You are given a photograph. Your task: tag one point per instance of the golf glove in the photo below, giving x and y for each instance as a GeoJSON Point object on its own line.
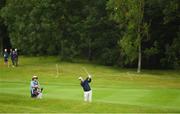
{"type": "Point", "coordinates": [89, 76]}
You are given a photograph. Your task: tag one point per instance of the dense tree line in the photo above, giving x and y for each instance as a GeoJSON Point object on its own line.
{"type": "Point", "coordinates": [110, 32]}
{"type": "Point", "coordinates": [4, 39]}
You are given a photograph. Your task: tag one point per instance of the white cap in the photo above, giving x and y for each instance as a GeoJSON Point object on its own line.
{"type": "Point", "coordinates": [34, 77]}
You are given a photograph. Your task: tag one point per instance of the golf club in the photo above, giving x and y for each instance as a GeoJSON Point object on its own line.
{"type": "Point", "coordinates": [85, 71]}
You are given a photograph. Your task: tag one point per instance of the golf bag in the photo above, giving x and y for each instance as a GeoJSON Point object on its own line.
{"type": "Point", "coordinates": [36, 93]}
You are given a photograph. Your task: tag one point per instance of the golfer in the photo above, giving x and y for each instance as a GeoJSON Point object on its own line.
{"type": "Point", "coordinates": [86, 88]}
{"type": "Point", "coordinates": [36, 91]}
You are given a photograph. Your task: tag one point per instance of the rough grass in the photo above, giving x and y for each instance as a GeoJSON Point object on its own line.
{"type": "Point", "coordinates": [114, 89]}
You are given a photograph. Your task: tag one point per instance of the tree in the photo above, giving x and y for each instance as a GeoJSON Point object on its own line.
{"type": "Point", "coordinates": [4, 38]}
{"type": "Point", "coordinates": [99, 34]}
{"type": "Point", "coordinates": [33, 25]}
{"type": "Point", "coordinates": [160, 49]}
{"type": "Point", "coordinates": [171, 11]}
{"type": "Point", "coordinates": [130, 15]}
{"type": "Point", "coordinates": [139, 32]}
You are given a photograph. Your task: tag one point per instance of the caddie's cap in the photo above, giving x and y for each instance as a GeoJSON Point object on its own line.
{"type": "Point", "coordinates": [34, 77]}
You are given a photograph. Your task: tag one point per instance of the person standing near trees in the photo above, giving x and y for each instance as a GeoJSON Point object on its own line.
{"type": "Point", "coordinates": [6, 55]}
{"type": "Point", "coordinates": [11, 54]}
{"type": "Point", "coordinates": [14, 57]}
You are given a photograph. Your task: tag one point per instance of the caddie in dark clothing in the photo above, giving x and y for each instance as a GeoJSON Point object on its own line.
{"type": "Point", "coordinates": [6, 55]}
{"type": "Point", "coordinates": [12, 57]}
{"type": "Point", "coordinates": [11, 54]}
{"type": "Point", "coordinates": [87, 89]}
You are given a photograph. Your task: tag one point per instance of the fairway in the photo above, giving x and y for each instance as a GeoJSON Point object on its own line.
{"type": "Point", "coordinates": [114, 89]}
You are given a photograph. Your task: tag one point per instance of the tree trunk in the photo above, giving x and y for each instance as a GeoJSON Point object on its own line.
{"type": "Point", "coordinates": [139, 58]}
{"type": "Point", "coordinates": [141, 10]}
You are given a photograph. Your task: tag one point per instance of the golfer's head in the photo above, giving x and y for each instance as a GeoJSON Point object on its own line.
{"type": "Point", "coordinates": [34, 78]}
{"type": "Point", "coordinates": [80, 78]}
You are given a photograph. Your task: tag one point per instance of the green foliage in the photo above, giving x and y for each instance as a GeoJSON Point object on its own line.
{"type": "Point", "coordinates": [109, 32]}
{"type": "Point", "coordinates": [172, 58]}
{"type": "Point", "coordinates": [35, 27]}
{"type": "Point", "coordinates": [171, 11]}
{"type": "Point", "coordinates": [130, 14]}
{"type": "Point", "coordinates": [164, 30]}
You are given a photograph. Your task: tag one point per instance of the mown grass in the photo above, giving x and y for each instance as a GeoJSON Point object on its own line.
{"type": "Point", "coordinates": [114, 89]}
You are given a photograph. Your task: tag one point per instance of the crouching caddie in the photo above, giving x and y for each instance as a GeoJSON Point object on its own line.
{"type": "Point", "coordinates": [36, 91]}
{"type": "Point", "coordinates": [87, 89]}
